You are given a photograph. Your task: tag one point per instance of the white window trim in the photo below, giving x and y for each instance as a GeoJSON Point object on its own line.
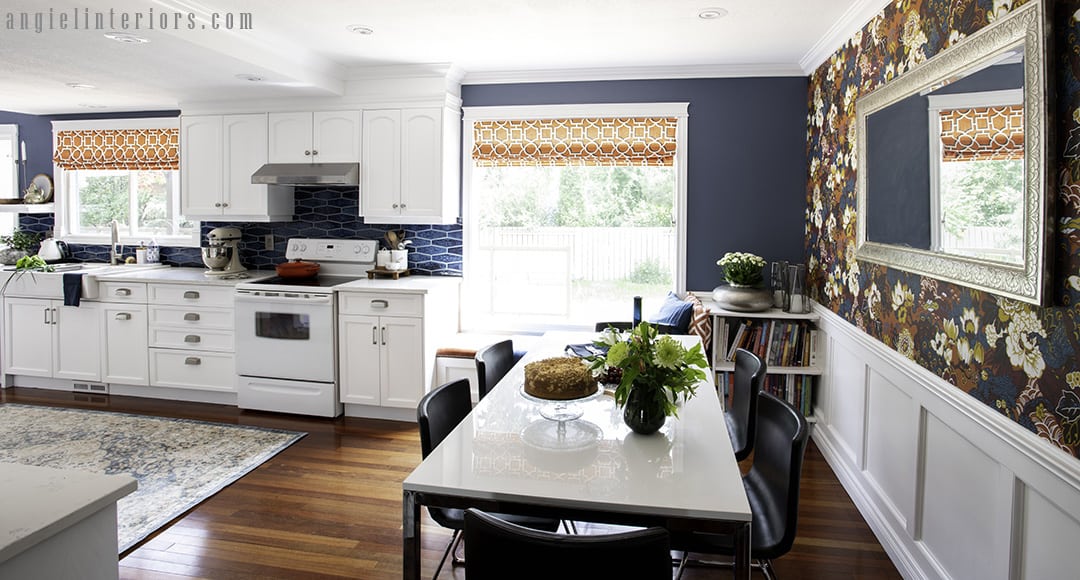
{"type": "Point", "coordinates": [12, 132]}
{"type": "Point", "coordinates": [525, 112]}
{"type": "Point", "coordinates": [62, 217]}
{"type": "Point", "coordinates": [936, 104]}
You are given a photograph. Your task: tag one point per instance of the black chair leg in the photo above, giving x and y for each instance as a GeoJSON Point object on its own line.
{"type": "Point", "coordinates": [457, 560]}
{"type": "Point", "coordinates": [449, 547]}
{"type": "Point", "coordinates": [766, 569]}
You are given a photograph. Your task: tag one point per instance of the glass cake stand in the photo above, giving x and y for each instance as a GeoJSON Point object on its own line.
{"type": "Point", "coordinates": [561, 410]}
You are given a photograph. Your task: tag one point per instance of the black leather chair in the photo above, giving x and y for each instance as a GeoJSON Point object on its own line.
{"type": "Point", "coordinates": [492, 364]}
{"type": "Point", "coordinates": [741, 415]}
{"type": "Point", "coordinates": [772, 487]}
{"type": "Point", "coordinates": [496, 550]}
{"type": "Point", "coordinates": [437, 414]}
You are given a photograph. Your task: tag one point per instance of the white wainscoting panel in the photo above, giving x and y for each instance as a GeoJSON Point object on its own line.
{"type": "Point", "coordinates": [890, 446]}
{"type": "Point", "coordinates": [960, 499]}
{"type": "Point", "coordinates": [1045, 526]}
{"type": "Point", "coordinates": [847, 401]}
{"type": "Point", "coordinates": [952, 488]}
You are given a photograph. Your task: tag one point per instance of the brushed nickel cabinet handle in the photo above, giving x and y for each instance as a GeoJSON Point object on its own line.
{"type": "Point", "coordinates": [314, 151]}
{"type": "Point", "coordinates": [384, 336]}
{"type": "Point", "coordinates": [193, 338]}
{"type": "Point", "coordinates": [307, 152]}
{"type": "Point", "coordinates": [380, 304]}
{"type": "Point", "coordinates": [53, 318]}
{"type": "Point", "coordinates": [123, 316]}
{"type": "Point", "coordinates": [191, 295]}
{"type": "Point", "coordinates": [46, 321]}
{"type": "Point", "coordinates": [193, 360]}
{"type": "Point", "coordinates": [191, 316]}
{"type": "Point", "coordinates": [123, 292]}
{"type": "Point", "coordinates": [374, 335]}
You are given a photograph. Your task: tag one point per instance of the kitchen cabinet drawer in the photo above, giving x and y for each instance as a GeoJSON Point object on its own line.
{"type": "Point", "coordinates": [200, 318]}
{"type": "Point", "coordinates": [381, 304]}
{"type": "Point", "coordinates": [186, 369]}
{"type": "Point", "coordinates": [179, 338]}
{"type": "Point", "coordinates": [122, 292]}
{"type": "Point", "coordinates": [183, 294]}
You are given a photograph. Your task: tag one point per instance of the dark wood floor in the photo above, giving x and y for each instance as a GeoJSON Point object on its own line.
{"type": "Point", "coordinates": [330, 507]}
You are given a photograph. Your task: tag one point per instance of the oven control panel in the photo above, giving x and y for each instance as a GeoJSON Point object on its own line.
{"type": "Point", "coordinates": [323, 250]}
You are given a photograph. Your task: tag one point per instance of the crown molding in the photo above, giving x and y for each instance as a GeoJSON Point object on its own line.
{"type": "Point", "coordinates": [854, 18]}
{"type": "Point", "coordinates": [632, 73]}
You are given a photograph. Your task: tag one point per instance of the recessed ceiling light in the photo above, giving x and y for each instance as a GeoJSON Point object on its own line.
{"type": "Point", "coordinates": [712, 13]}
{"type": "Point", "coordinates": [90, 106]}
{"type": "Point", "coordinates": [81, 86]}
{"type": "Point", "coordinates": [250, 77]}
{"type": "Point", "coordinates": [360, 29]}
{"type": "Point", "coordinates": [126, 38]}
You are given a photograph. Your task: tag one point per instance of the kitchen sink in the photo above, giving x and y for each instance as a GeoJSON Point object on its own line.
{"type": "Point", "coordinates": [51, 284]}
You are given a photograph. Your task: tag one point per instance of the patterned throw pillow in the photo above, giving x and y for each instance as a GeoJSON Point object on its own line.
{"type": "Point", "coordinates": [700, 321]}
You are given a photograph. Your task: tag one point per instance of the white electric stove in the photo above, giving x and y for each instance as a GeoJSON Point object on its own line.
{"type": "Point", "coordinates": [286, 330]}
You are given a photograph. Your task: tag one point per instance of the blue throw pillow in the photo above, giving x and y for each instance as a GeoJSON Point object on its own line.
{"type": "Point", "coordinates": [674, 312]}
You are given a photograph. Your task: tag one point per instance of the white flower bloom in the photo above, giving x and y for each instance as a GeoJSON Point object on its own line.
{"type": "Point", "coordinates": [873, 298]}
{"type": "Point", "coordinates": [940, 344]}
{"type": "Point", "coordinates": [901, 295]}
{"type": "Point", "coordinates": [963, 350]}
{"type": "Point", "coordinates": [992, 334]}
{"type": "Point", "coordinates": [969, 322]}
{"type": "Point", "coordinates": [1022, 343]}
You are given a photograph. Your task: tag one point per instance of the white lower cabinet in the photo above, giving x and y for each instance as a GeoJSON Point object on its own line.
{"type": "Point", "coordinates": [190, 369]}
{"type": "Point", "coordinates": [381, 360]}
{"type": "Point", "coordinates": [44, 338]}
{"type": "Point", "coordinates": [124, 351]}
{"type": "Point", "coordinates": [191, 337]}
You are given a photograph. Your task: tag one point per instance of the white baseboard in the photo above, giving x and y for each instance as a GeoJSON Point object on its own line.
{"type": "Point", "coordinates": [952, 488]}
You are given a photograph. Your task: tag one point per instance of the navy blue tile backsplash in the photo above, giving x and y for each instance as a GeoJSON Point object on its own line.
{"type": "Point", "coordinates": [320, 213]}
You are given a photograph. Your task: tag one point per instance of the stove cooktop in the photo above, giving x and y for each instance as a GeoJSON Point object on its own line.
{"type": "Point", "coordinates": [321, 281]}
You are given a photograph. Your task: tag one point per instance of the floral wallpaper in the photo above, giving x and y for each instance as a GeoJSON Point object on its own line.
{"type": "Point", "coordinates": [1019, 359]}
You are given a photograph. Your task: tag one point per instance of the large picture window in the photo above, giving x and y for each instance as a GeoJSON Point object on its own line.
{"type": "Point", "coordinates": [570, 212]}
{"type": "Point", "coordinates": [122, 170]}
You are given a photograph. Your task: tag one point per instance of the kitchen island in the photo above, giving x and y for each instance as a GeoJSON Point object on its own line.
{"type": "Point", "coordinates": [59, 523]}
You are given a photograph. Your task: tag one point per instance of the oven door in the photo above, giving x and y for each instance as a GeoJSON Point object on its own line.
{"type": "Point", "coordinates": [284, 337]}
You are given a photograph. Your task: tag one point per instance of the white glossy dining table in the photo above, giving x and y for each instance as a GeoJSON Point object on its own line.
{"type": "Point", "coordinates": [505, 457]}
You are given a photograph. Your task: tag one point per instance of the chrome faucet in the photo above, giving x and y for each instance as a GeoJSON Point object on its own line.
{"type": "Point", "coordinates": [114, 253]}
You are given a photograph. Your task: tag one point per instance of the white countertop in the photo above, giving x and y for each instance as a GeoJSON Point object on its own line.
{"type": "Point", "coordinates": [39, 502]}
{"type": "Point", "coordinates": [406, 284]}
{"type": "Point", "coordinates": [180, 275]}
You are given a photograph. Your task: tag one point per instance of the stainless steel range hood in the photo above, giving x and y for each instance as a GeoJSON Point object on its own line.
{"type": "Point", "coordinates": [308, 174]}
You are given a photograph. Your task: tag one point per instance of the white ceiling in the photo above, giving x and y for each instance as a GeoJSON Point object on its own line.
{"type": "Point", "coordinates": [302, 49]}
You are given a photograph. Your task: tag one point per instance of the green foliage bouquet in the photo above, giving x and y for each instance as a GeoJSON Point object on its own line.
{"type": "Point", "coordinates": [659, 364]}
{"type": "Point", "coordinates": [742, 268]}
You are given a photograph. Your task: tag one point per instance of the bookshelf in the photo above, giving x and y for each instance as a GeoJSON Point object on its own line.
{"type": "Point", "coordinates": [787, 342]}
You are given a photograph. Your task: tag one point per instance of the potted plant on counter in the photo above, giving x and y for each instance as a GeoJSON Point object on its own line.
{"type": "Point", "coordinates": [657, 370]}
{"type": "Point", "coordinates": [19, 244]}
{"type": "Point", "coordinates": [743, 292]}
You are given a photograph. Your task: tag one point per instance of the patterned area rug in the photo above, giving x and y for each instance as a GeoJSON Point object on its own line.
{"type": "Point", "coordinates": [178, 463]}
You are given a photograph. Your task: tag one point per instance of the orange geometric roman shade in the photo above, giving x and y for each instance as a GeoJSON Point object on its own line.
{"type": "Point", "coordinates": [600, 141]}
{"type": "Point", "coordinates": [130, 149]}
{"type": "Point", "coordinates": [982, 133]}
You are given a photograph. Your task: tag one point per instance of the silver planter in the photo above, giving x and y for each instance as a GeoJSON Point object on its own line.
{"type": "Point", "coordinates": [743, 298]}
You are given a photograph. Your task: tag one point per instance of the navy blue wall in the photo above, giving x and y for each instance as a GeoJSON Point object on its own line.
{"type": "Point", "coordinates": [36, 132]}
{"type": "Point", "coordinates": [746, 165]}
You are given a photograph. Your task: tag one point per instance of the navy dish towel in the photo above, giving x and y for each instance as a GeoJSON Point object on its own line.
{"type": "Point", "coordinates": [72, 288]}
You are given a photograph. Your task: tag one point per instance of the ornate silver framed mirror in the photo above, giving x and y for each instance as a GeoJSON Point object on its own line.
{"type": "Point", "coordinates": [955, 162]}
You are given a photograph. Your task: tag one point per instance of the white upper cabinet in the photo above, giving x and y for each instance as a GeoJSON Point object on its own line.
{"type": "Point", "coordinates": [218, 154]}
{"type": "Point", "coordinates": [410, 171]}
{"type": "Point", "coordinates": [315, 137]}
